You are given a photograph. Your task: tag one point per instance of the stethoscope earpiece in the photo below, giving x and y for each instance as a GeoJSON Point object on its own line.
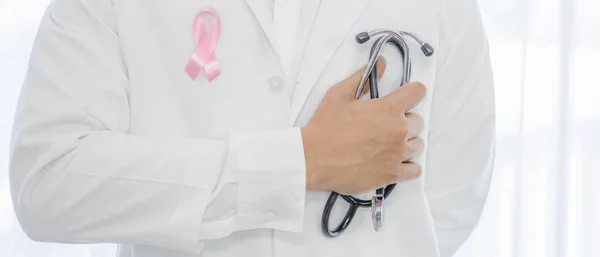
{"type": "Point", "coordinates": [427, 49]}
{"type": "Point", "coordinates": [398, 39]}
{"type": "Point", "coordinates": [362, 37]}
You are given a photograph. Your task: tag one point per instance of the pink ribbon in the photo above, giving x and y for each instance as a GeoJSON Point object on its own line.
{"type": "Point", "coordinates": [206, 42]}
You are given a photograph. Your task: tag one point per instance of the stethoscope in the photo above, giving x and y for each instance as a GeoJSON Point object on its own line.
{"type": "Point", "coordinates": [398, 39]}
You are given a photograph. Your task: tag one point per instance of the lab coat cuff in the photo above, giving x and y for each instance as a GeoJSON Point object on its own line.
{"type": "Point", "coordinates": [272, 180]}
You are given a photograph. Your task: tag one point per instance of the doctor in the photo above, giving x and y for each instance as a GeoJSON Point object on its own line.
{"type": "Point", "coordinates": [114, 143]}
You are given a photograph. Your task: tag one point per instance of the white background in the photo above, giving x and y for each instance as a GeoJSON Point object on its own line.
{"type": "Point", "coordinates": [545, 198]}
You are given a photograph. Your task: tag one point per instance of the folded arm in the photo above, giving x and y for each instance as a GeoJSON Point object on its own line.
{"type": "Point", "coordinates": [77, 176]}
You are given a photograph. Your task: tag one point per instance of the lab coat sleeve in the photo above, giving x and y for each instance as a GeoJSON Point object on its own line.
{"type": "Point", "coordinates": [461, 127]}
{"type": "Point", "coordinates": [77, 176]}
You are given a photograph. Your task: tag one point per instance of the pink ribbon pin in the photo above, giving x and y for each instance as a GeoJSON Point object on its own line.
{"type": "Point", "coordinates": [206, 42]}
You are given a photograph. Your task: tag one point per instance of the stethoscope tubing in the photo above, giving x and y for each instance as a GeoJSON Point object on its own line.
{"type": "Point", "coordinates": [370, 75]}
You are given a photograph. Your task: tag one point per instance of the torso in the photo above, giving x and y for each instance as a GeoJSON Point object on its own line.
{"type": "Point", "coordinates": [157, 42]}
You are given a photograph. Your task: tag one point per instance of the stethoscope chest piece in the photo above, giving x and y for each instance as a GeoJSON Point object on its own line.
{"type": "Point", "coordinates": [377, 211]}
{"type": "Point", "coordinates": [397, 39]}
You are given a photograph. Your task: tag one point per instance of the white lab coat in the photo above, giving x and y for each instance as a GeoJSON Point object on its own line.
{"type": "Point", "coordinates": [114, 143]}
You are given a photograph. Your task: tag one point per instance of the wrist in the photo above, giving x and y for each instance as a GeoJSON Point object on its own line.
{"type": "Point", "coordinates": [311, 171]}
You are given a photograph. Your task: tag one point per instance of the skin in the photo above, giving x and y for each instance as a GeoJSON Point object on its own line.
{"type": "Point", "coordinates": [353, 146]}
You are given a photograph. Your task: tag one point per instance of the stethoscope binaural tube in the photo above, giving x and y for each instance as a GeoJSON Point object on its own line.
{"type": "Point", "coordinates": [398, 40]}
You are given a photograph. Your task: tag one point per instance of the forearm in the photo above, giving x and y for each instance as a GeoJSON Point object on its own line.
{"type": "Point", "coordinates": [78, 173]}
{"type": "Point", "coordinates": [109, 187]}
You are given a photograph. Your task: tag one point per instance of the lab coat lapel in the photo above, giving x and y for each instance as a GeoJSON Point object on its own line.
{"type": "Point", "coordinates": [263, 15]}
{"type": "Point", "coordinates": [332, 25]}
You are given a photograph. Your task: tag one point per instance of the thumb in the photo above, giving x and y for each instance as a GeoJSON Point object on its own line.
{"type": "Point", "coordinates": [349, 85]}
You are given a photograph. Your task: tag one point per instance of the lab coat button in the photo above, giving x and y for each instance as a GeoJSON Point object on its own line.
{"type": "Point", "coordinates": [270, 216]}
{"type": "Point", "coordinates": [276, 84]}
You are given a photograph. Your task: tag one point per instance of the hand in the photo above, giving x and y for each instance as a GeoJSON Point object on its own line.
{"type": "Point", "coordinates": [353, 146]}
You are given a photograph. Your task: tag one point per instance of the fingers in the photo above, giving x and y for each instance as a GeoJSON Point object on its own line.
{"type": "Point", "coordinates": [414, 148]}
{"type": "Point", "coordinates": [404, 172]}
{"type": "Point", "coordinates": [407, 96]}
{"type": "Point", "coordinates": [414, 124]}
{"type": "Point", "coordinates": [410, 171]}
{"type": "Point", "coordinates": [351, 83]}
{"type": "Point", "coordinates": [415, 145]}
